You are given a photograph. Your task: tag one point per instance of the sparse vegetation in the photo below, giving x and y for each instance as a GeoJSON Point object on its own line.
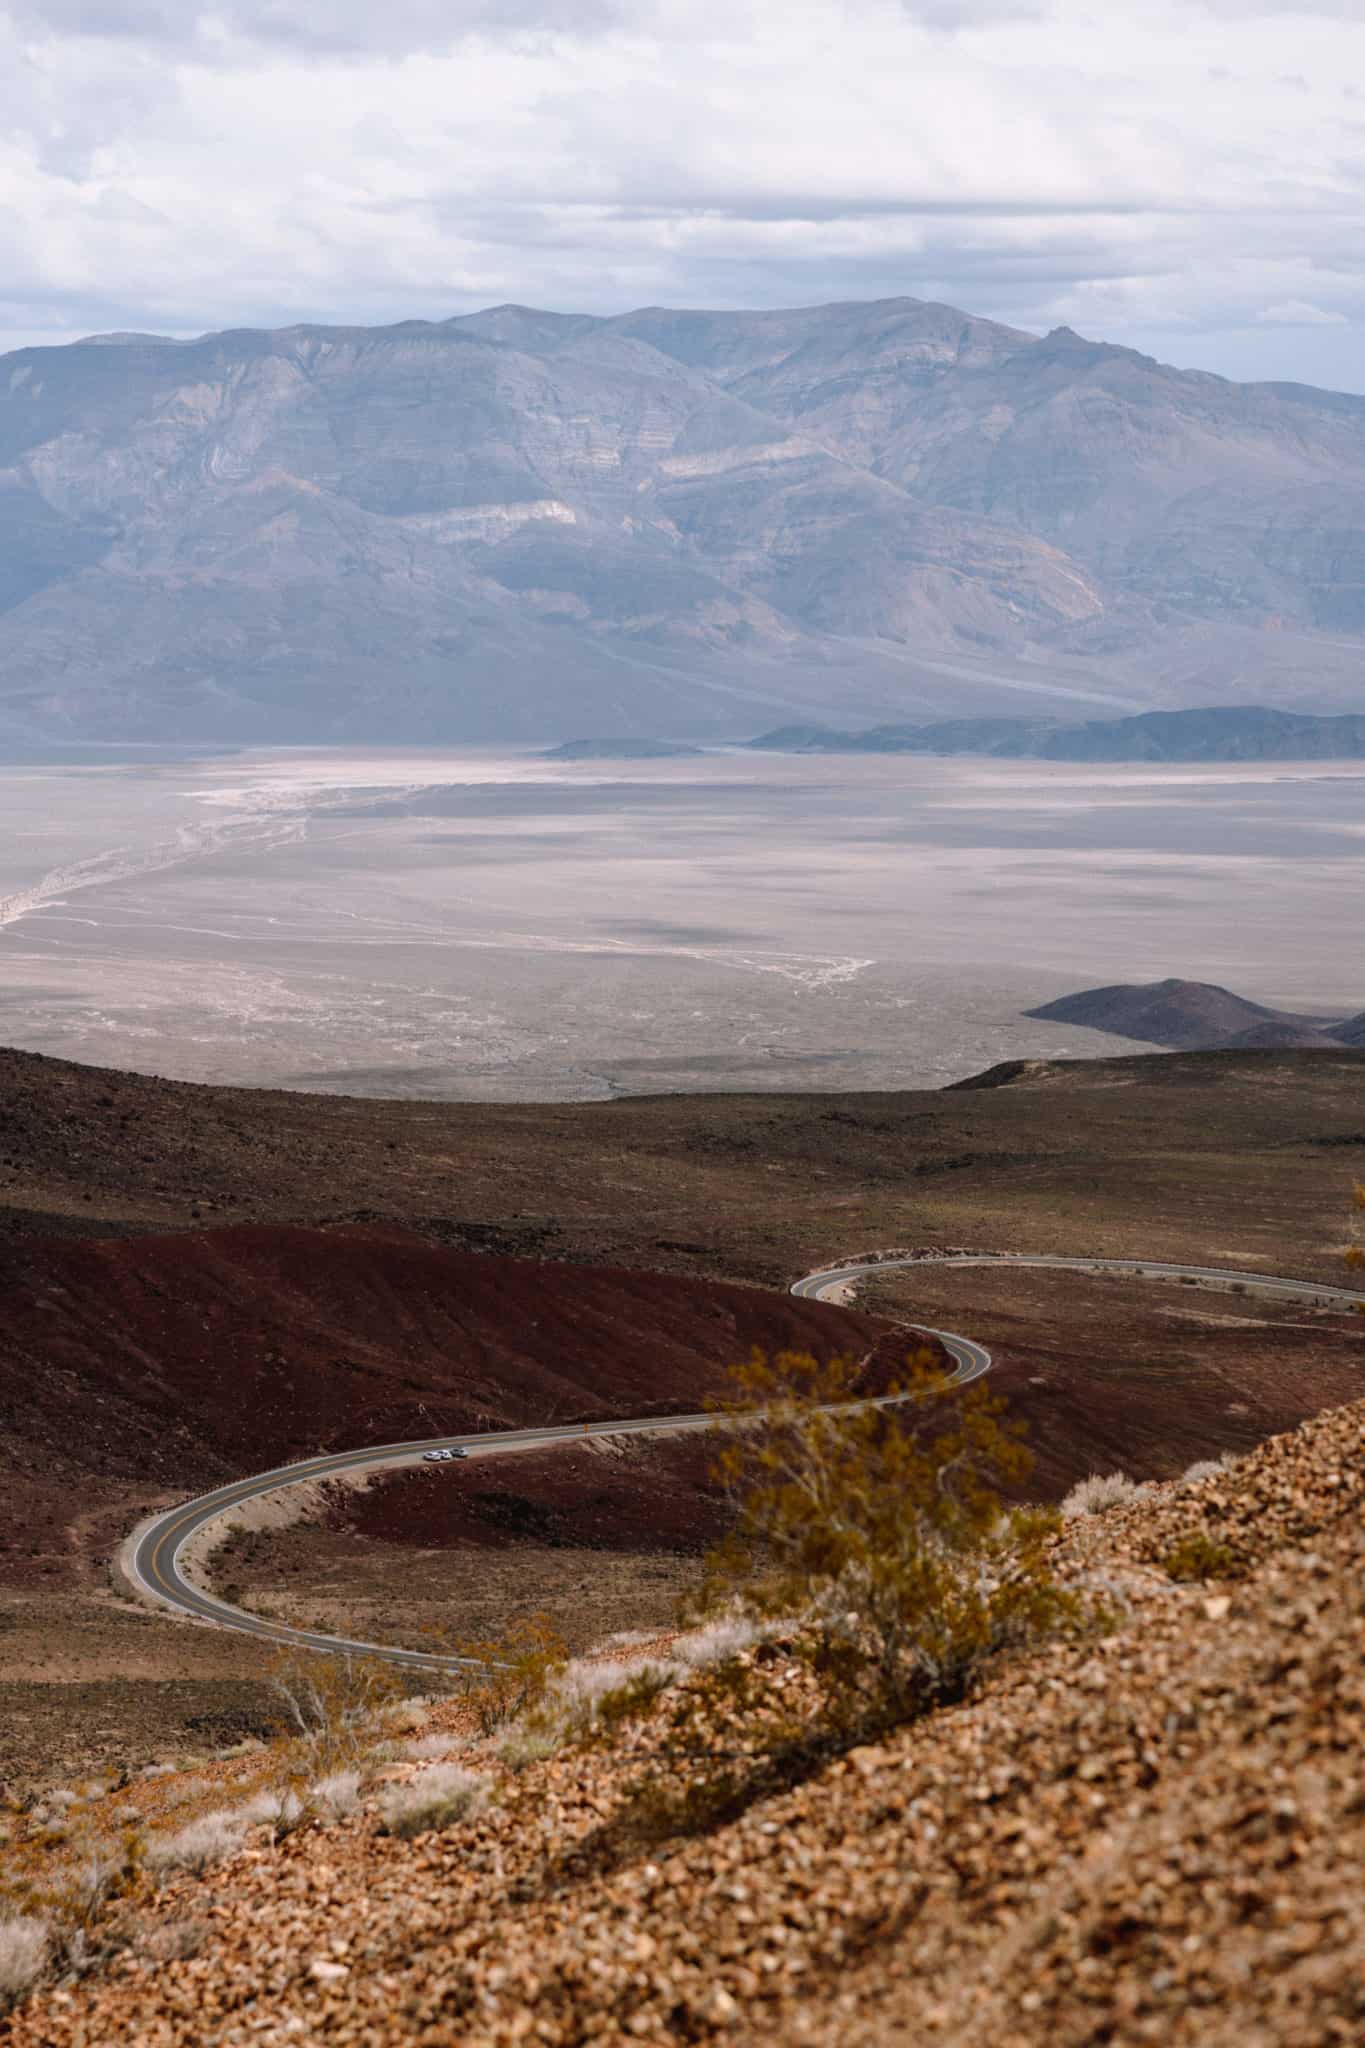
{"type": "Point", "coordinates": [437, 1799]}
{"type": "Point", "coordinates": [883, 1528]}
{"type": "Point", "coordinates": [329, 1707]}
{"type": "Point", "coordinates": [873, 1543]}
{"type": "Point", "coordinates": [1199, 1555]}
{"type": "Point", "coordinates": [197, 1846]}
{"type": "Point", "coordinates": [506, 1677]}
{"type": "Point", "coordinates": [1099, 1492]}
{"type": "Point", "coordinates": [1207, 1468]}
{"type": "Point", "coordinates": [25, 1944]}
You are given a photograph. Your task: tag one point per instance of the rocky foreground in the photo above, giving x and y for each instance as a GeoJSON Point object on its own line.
{"type": "Point", "coordinates": [1157, 1835]}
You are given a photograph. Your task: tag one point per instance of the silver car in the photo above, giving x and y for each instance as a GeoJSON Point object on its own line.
{"type": "Point", "coordinates": [444, 1457]}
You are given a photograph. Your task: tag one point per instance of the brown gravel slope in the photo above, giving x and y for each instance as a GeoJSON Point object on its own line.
{"type": "Point", "coordinates": [1178, 1155]}
{"type": "Point", "coordinates": [1155, 1837]}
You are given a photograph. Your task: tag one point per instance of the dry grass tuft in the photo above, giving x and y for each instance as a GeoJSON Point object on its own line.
{"type": "Point", "coordinates": [434, 1748]}
{"type": "Point", "coordinates": [1099, 1492]}
{"type": "Point", "coordinates": [336, 1796]}
{"type": "Point", "coordinates": [25, 1944]}
{"type": "Point", "coordinates": [437, 1799]}
{"type": "Point", "coordinates": [195, 1847]}
{"type": "Point", "coordinates": [1207, 1468]}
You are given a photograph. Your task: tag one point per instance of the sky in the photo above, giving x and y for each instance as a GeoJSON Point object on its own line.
{"type": "Point", "coordinates": [1183, 176]}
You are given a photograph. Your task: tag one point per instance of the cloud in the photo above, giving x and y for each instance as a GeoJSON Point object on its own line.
{"type": "Point", "coordinates": [953, 16]}
{"type": "Point", "coordinates": [351, 28]}
{"type": "Point", "coordinates": [1299, 313]}
{"type": "Point", "coordinates": [181, 167]}
{"type": "Point", "coordinates": [1244, 10]}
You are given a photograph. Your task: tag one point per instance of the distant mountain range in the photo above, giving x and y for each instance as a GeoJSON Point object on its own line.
{"type": "Point", "coordinates": [623, 750]}
{"type": "Point", "coordinates": [1243, 732]}
{"type": "Point", "coordinates": [1198, 1016]}
{"type": "Point", "coordinates": [522, 523]}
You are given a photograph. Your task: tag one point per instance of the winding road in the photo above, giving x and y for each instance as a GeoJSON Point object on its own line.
{"type": "Point", "coordinates": [152, 1560]}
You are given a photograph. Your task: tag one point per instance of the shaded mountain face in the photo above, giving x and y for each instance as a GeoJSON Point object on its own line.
{"type": "Point", "coordinates": [1242, 732]}
{"type": "Point", "coordinates": [523, 523]}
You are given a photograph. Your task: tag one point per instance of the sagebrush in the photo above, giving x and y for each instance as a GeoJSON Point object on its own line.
{"type": "Point", "coordinates": [876, 1552]}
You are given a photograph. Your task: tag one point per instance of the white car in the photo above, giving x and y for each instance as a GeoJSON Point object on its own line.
{"type": "Point", "coordinates": [443, 1457]}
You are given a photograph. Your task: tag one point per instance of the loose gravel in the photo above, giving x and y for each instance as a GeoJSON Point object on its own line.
{"type": "Point", "coordinates": [1153, 1836]}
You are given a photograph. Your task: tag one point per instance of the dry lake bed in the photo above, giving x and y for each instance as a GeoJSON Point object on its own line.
{"type": "Point", "coordinates": [475, 924]}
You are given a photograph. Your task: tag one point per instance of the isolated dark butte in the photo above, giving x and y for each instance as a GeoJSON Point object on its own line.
{"type": "Point", "coordinates": [527, 523]}
{"type": "Point", "coordinates": [1195, 1016]}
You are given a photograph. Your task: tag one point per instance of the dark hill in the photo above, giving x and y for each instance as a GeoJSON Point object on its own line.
{"type": "Point", "coordinates": [1195, 1016]}
{"type": "Point", "coordinates": [1189, 1015]}
{"type": "Point", "coordinates": [1280, 1034]}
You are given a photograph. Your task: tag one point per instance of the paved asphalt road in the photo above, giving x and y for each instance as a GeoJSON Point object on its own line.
{"type": "Point", "coordinates": [151, 1559]}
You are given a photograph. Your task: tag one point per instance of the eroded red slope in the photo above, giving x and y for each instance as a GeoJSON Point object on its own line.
{"type": "Point", "coordinates": [180, 1360]}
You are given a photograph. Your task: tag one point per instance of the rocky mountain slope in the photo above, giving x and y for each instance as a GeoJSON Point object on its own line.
{"type": "Point", "coordinates": [1153, 1834]}
{"type": "Point", "coordinates": [522, 523]}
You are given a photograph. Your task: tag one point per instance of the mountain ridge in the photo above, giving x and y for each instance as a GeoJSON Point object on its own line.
{"type": "Point", "coordinates": [1234, 732]}
{"type": "Point", "coordinates": [522, 523]}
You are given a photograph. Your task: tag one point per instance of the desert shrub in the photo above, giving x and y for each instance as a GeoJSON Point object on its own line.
{"type": "Point", "coordinates": [882, 1525]}
{"type": "Point", "coordinates": [505, 1677]}
{"type": "Point", "coordinates": [873, 1547]}
{"type": "Point", "coordinates": [281, 1808]}
{"type": "Point", "coordinates": [1199, 1555]}
{"type": "Point", "coordinates": [583, 1697]}
{"type": "Point", "coordinates": [25, 1945]}
{"type": "Point", "coordinates": [195, 1847]}
{"type": "Point", "coordinates": [440, 1797]}
{"type": "Point", "coordinates": [521, 1747]}
{"type": "Point", "coordinates": [329, 1706]}
{"type": "Point", "coordinates": [1100, 1491]}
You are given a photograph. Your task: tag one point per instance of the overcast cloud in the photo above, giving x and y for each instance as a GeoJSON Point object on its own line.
{"type": "Point", "coordinates": [1188, 178]}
